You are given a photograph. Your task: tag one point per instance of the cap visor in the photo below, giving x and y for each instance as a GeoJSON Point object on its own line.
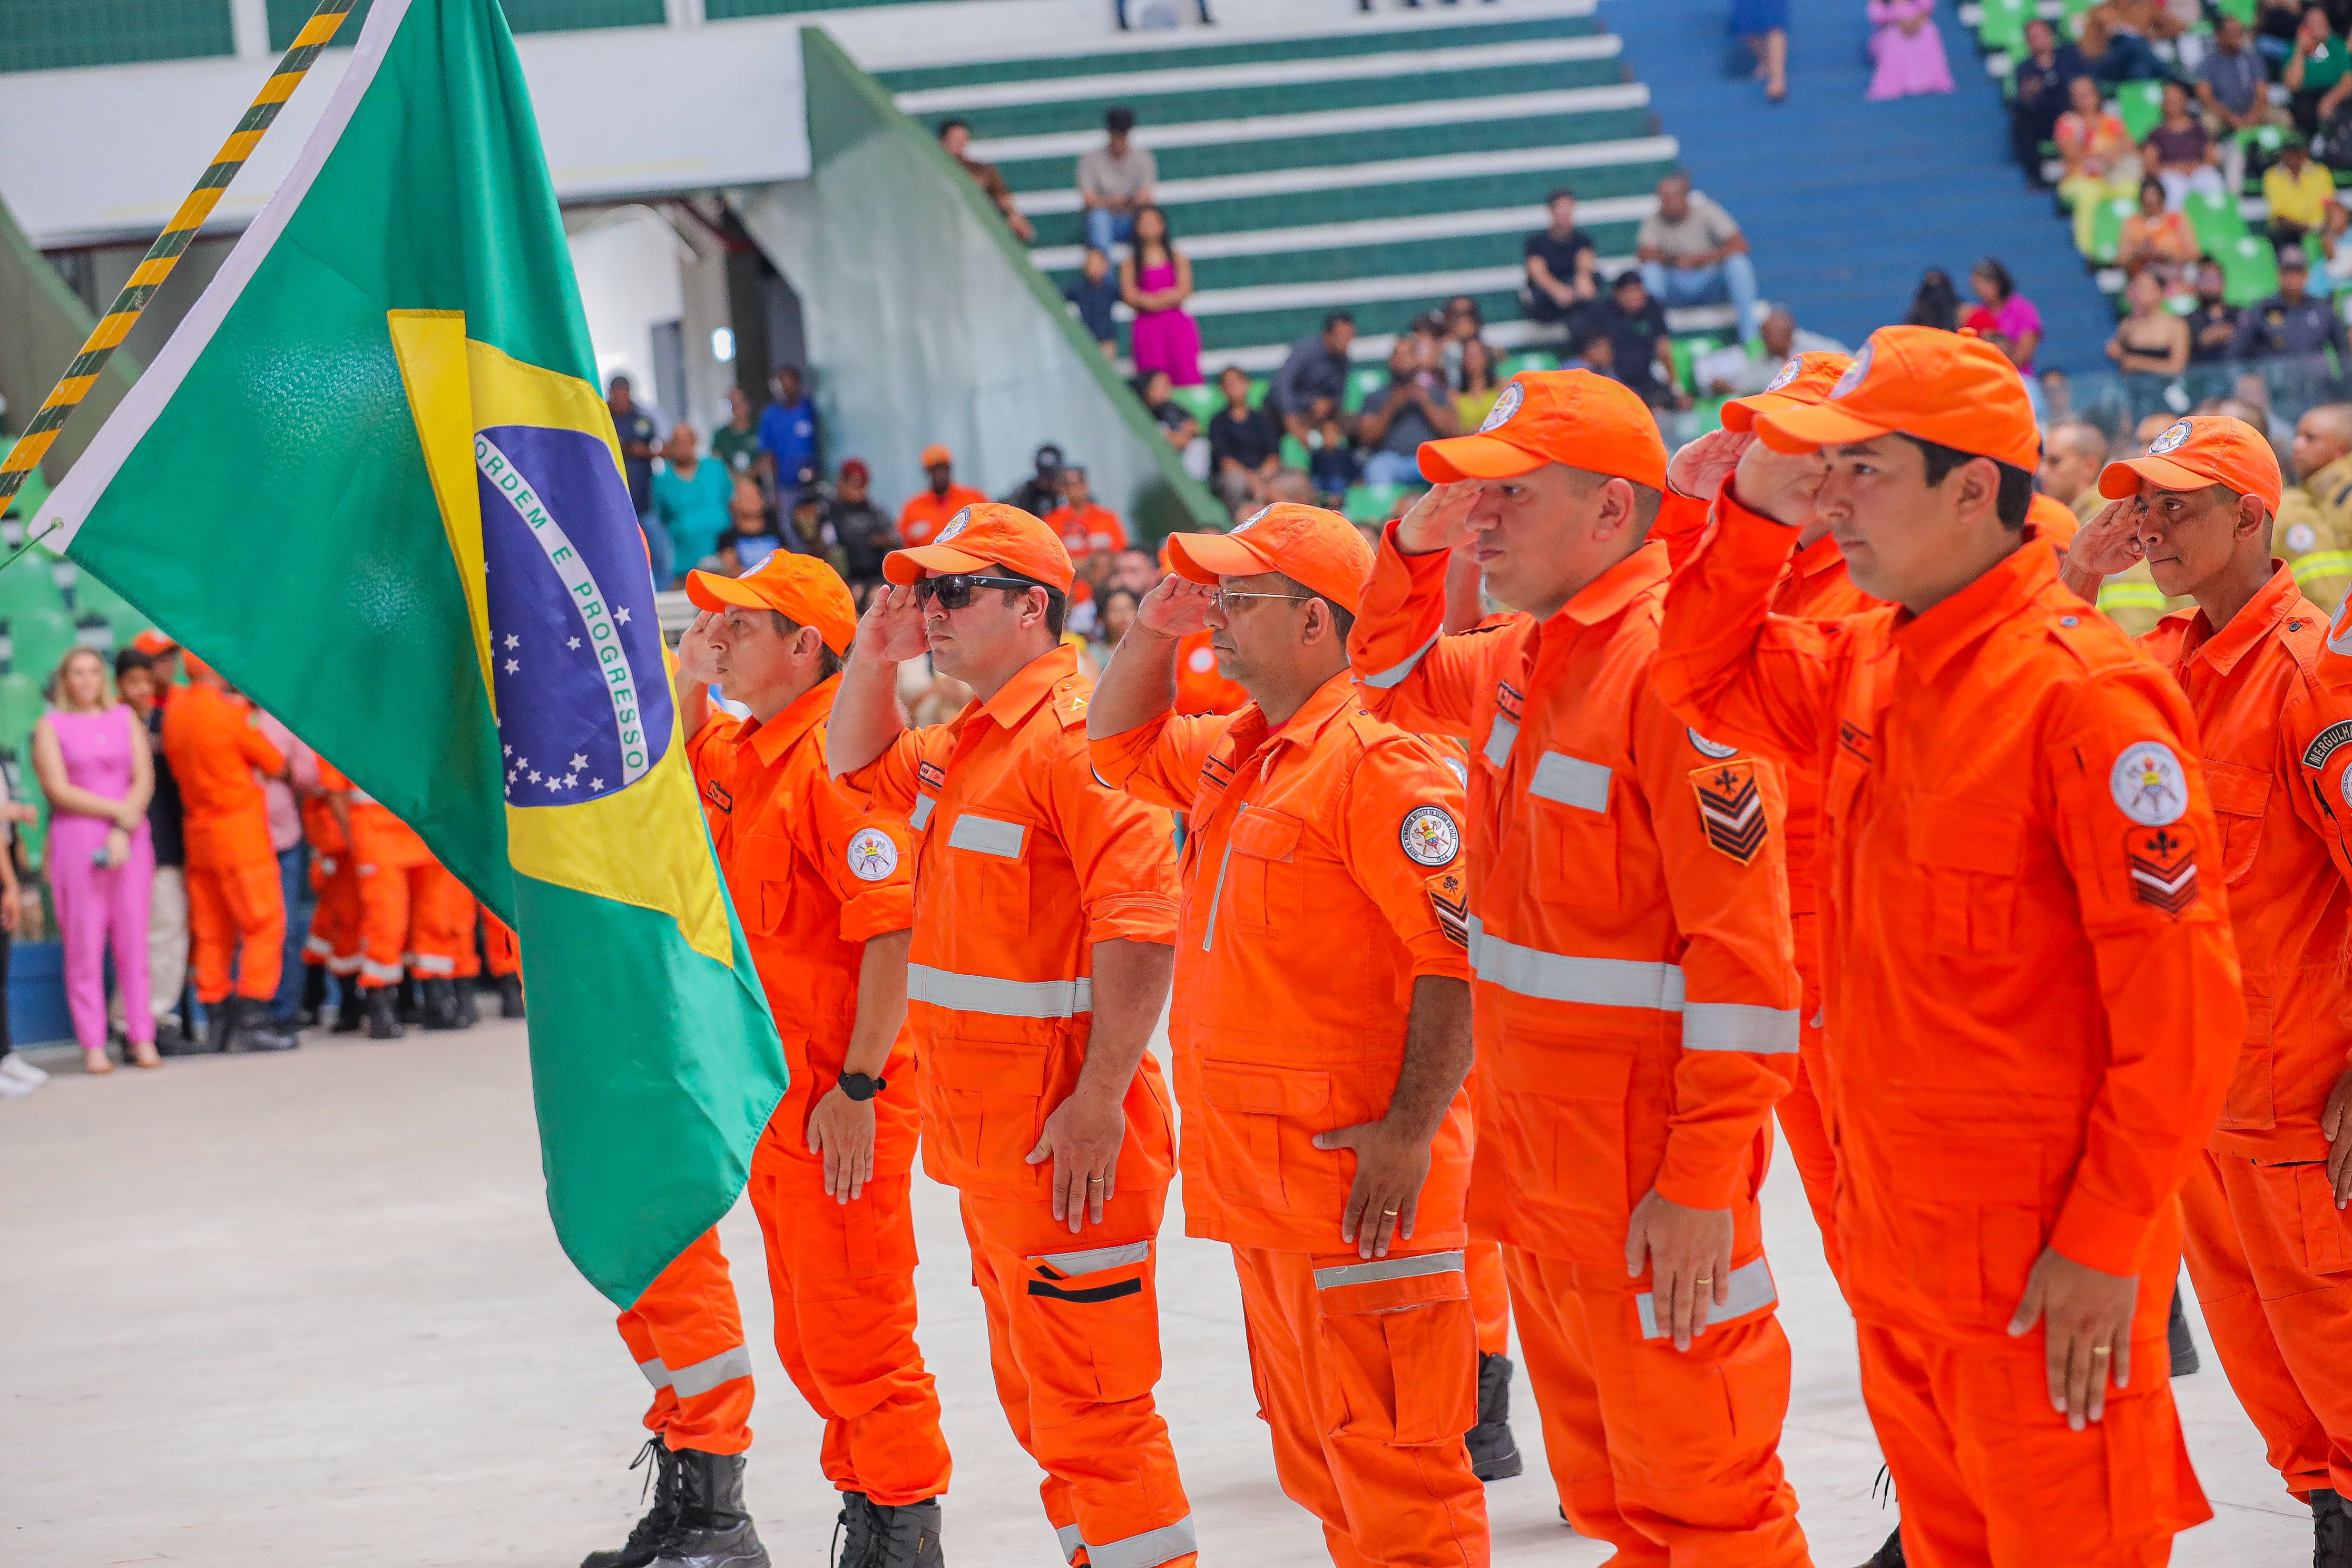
{"type": "Point", "coordinates": [1205, 557]}
{"type": "Point", "coordinates": [1477, 457]}
{"type": "Point", "coordinates": [905, 566]}
{"type": "Point", "coordinates": [713, 590]}
{"type": "Point", "coordinates": [2122, 477]}
{"type": "Point", "coordinates": [1808, 427]}
{"type": "Point", "coordinates": [1740, 412]}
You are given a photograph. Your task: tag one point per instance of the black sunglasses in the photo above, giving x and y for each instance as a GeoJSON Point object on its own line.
{"type": "Point", "coordinates": [955, 591]}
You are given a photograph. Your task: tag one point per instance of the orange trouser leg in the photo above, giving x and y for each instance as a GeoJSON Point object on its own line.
{"type": "Point", "coordinates": [245, 914]}
{"type": "Point", "coordinates": [1074, 1340]}
{"type": "Point", "coordinates": [212, 933]}
{"type": "Point", "coordinates": [499, 946]}
{"type": "Point", "coordinates": [687, 1335]}
{"type": "Point", "coordinates": [1490, 1295]}
{"type": "Point", "coordinates": [2295, 1440]}
{"type": "Point", "coordinates": [1367, 1387]}
{"type": "Point", "coordinates": [434, 897]}
{"type": "Point", "coordinates": [1804, 1121]}
{"type": "Point", "coordinates": [1670, 1456]}
{"type": "Point", "coordinates": [384, 894]}
{"type": "Point", "coordinates": [1989, 1475]}
{"type": "Point", "coordinates": [335, 917]}
{"type": "Point", "coordinates": [843, 1279]}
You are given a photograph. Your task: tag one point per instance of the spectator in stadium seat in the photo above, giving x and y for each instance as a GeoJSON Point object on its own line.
{"type": "Point", "coordinates": [1460, 325]}
{"type": "Point", "coordinates": [1088, 527]}
{"type": "Point", "coordinates": [2101, 161]}
{"type": "Point", "coordinates": [2315, 73]}
{"type": "Point", "coordinates": [2004, 317]}
{"type": "Point", "coordinates": [1639, 344]}
{"type": "Point", "coordinates": [736, 444]}
{"type": "Point", "coordinates": [865, 534]}
{"type": "Point", "coordinates": [1906, 50]}
{"type": "Point", "coordinates": [1040, 491]}
{"type": "Point", "coordinates": [1156, 279]}
{"type": "Point", "coordinates": [1308, 394]}
{"type": "Point", "coordinates": [1094, 292]}
{"type": "Point", "coordinates": [1399, 417]}
{"type": "Point", "coordinates": [955, 136]}
{"type": "Point", "coordinates": [2149, 345]}
{"type": "Point", "coordinates": [2233, 89]}
{"type": "Point", "coordinates": [1115, 182]}
{"type": "Point", "coordinates": [929, 511]}
{"type": "Point", "coordinates": [2119, 38]}
{"type": "Point", "coordinates": [1935, 303]}
{"type": "Point", "coordinates": [1560, 262]}
{"type": "Point", "coordinates": [2299, 193]}
{"type": "Point", "coordinates": [752, 537]}
{"type": "Point", "coordinates": [1591, 348]}
{"type": "Point", "coordinates": [791, 445]}
{"type": "Point", "coordinates": [637, 432]}
{"type": "Point", "coordinates": [1475, 390]}
{"type": "Point", "coordinates": [1692, 253]}
{"type": "Point", "coordinates": [692, 494]}
{"type": "Point", "coordinates": [1244, 445]}
{"type": "Point", "coordinates": [2294, 329]}
{"type": "Point", "coordinates": [2038, 94]}
{"type": "Point", "coordinates": [2213, 323]}
{"type": "Point", "coordinates": [2073, 453]}
{"type": "Point", "coordinates": [2179, 150]}
{"type": "Point", "coordinates": [1738, 370]}
{"type": "Point", "coordinates": [2158, 239]}
{"type": "Point", "coordinates": [1175, 421]}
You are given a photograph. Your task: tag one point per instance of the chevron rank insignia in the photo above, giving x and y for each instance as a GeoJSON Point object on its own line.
{"type": "Point", "coordinates": [1731, 809]}
{"type": "Point", "coordinates": [2163, 867]}
{"type": "Point", "coordinates": [1449, 896]}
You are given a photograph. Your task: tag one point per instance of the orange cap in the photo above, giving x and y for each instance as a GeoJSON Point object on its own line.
{"type": "Point", "coordinates": [1569, 416]}
{"type": "Point", "coordinates": [196, 668]}
{"type": "Point", "coordinates": [987, 534]}
{"type": "Point", "coordinates": [2192, 453]}
{"type": "Point", "coordinates": [1802, 382]}
{"type": "Point", "coordinates": [153, 642]}
{"type": "Point", "coordinates": [934, 455]}
{"type": "Point", "coordinates": [1951, 388]}
{"type": "Point", "coordinates": [801, 587]}
{"type": "Point", "coordinates": [1320, 549]}
{"type": "Point", "coordinates": [2054, 522]}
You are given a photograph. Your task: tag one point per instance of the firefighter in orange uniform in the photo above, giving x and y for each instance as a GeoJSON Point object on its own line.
{"type": "Point", "coordinates": [1637, 994]}
{"type": "Point", "coordinates": [505, 963]}
{"type": "Point", "coordinates": [236, 908]}
{"type": "Point", "coordinates": [392, 867]}
{"type": "Point", "coordinates": [2269, 1248]}
{"type": "Point", "coordinates": [440, 943]}
{"type": "Point", "coordinates": [2032, 1001]}
{"type": "Point", "coordinates": [1321, 1027]}
{"type": "Point", "coordinates": [334, 938]}
{"type": "Point", "coordinates": [1045, 911]}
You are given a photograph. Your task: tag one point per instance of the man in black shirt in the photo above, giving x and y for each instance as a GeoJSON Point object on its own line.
{"type": "Point", "coordinates": [2292, 330]}
{"type": "Point", "coordinates": [1244, 445]}
{"type": "Point", "coordinates": [1306, 396]}
{"type": "Point", "coordinates": [858, 526]}
{"type": "Point", "coordinates": [1636, 325]}
{"type": "Point", "coordinates": [1560, 263]}
{"type": "Point", "coordinates": [1040, 492]}
{"type": "Point", "coordinates": [638, 436]}
{"type": "Point", "coordinates": [2042, 78]}
{"type": "Point", "coordinates": [2213, 324]}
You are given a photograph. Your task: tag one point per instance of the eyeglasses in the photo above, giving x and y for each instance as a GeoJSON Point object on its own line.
{"type": "Point", "coordinates": [1223, 597]}
{"type": "Point", "coordinates": [954, 591]}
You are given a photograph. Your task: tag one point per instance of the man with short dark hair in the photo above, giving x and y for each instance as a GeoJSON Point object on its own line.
{"type": "Point", "coordinates": [639, 437]}
{"type": "Point", "coordinates": [1395, 420]}
{"type": "Point", "coordinates": [1244, 445]}
{"type": "Point", "coordinates": [790, 446]}
{"type": "Point", "coordinates": [1307, 395]}
{"type": "Point", "coordinates": [2039, 94]}
{"type": "Point", "coordinates": [1559, 262]}
{"type": "Point", "coordinates": [1115, 182]}
{"type": "Point", "coordinates": [1641, 346]}
{"type": "Point", "coordinates": [2213, 322]}
{"type": "Point", "coordinates": [2294, 329]}
{"type": "Point", "coordinates": [858, 526]}
{"type": "Point", "coordinates": [955, 138]}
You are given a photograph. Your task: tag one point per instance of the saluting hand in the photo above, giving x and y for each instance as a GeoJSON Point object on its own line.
{"type": "Point", "coordinates": [1391, 1167]}
{"type": "Point", "coordinates": [1689, 1252]}
{"type": "Point", "coordinates": [1700, 467]}
{"type": "Point", "coordinates": [696, 659]}
{"type": "Point", "coordinates": [1782, 486]}
{"type": "Point", "coordinates": [1176, 608]}
{"type": "Point", "coordinates": [1440, 519]}
{"type": "Point", "coordinates": [842, 1131]}
{"type": "Point", "coordinates": [892, 628]}
{"type": "Point", "coordinates": [2109, 543]}
{"type": "Point", "coordinates": [2089, 1319]}
{"type": "Point", "coordinates": [1082, 1138]}
{"type": "Point", "coordinates": [2332, 1123]}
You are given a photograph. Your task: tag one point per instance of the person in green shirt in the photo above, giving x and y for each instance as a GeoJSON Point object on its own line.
{"type": "Point", "coordinates": [2315, 75]}
{"type": "Point", "coordinates": [736, 444]}
{"type": "Point", "coordinates": [690, 496]}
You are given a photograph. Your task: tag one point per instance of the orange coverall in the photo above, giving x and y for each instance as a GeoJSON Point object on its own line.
{"type": "Point", "coordinates": [814, 875]}
{"type": "Point", "coordinates": [499, 949]}
{"type": "Point", "coordinates": [2032, 1005]}
{"type": "Point", "coordinates": [237, 909]}
{"type": "Point", "coordinates": [1637, 1019]}
{"type": "Point", "coordinates": [2269, 1252]}
{"type": "Point", "coordinates": [1025, 861]}
{"type": "Point", "coordinates": [1321, 879]}
{"type": "Point", "coordinates": [399, 882]}
{"type": "Point", "coordinates": [334, 938]}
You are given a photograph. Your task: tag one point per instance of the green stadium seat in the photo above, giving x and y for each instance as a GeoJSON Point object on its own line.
{"type": "Point", "coordinates": [2107, 229]}
{"type": "Point", "coordinates": [1708, 412]}
{"type": "Point", "coordinates": [2003, 25]}
{"type": "Point", "coordinates": [2141, 105]}
{"type": "Point", "coordinates": [2216, 220]}
{"type": "Point", "coordinates": [1377, 503]}
{"type": "Point", "coordinates": [1295, 454]}
{"type": "Point", "coordinates": [1200, 402]}
{"type": "Point", "coordinates": [1362, 381]}
{"type": "Point", "coordinates": [2249, 270]}
{"type": "Point", "coordinates": [2243, 10]}
{"type": "Point", "coordinates": [1532, 360]}
{"type": "Point", "coordinates": [1259, 386]}
{"type": "Point", "coordinates": [27, 586]}
{"type": "Point", "coordinates": [38, 639]}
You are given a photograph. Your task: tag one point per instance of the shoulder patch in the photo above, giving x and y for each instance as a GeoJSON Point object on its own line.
{"type": "Point", "coordinates": [2327, 743]}
{"type": "Point", "coordinates": [2302, 538]}
{"type": "Point", "coordinates": [2163, 863]}
{"type": "Point", "coordinates": [1449, 899]}
{"type": "Point", "coordinates": [1430, 836]}
{"type": "Point", "coordinates": [2149, 784]}
{"type": "Point", "coordinates": [871, 855]}
{"type": "Point", "coordinates": [1731, 809]}
{"type": "Point", "coordinates": [1707, 748]}
{"type": "Point", "coordinates": [1070, 703]}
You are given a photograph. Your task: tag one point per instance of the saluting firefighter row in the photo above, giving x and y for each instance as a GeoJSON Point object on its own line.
{"type": "Point", "coordinates": [1796, 775]}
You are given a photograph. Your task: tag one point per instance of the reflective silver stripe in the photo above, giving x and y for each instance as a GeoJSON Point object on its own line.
{"type": "Point", "coordinates": [1571, 781]}
{"type": "Point", "coordinates": [1071, 1540]}
{"type": "Point", "coordinates": [1149, 1549]}
{"type": "Point", "coordinates": [921, 814]}
{"type": "Point", "coordinates": [1559, 977]}
{"type": "Point", "coordinates": [705, 1375]}
{"type": "Point", "coordinates": [434, 963]}
{"type": "Point", "coordinates": [387, 973]}
{"type": "Point", "coordinates": [1739, 1027]}
{"type": "Point", "coordinates": [1499, 739]}
{"type": "Point", "coordinates": [1388, 1268]}
{"type": "Point", "coordinates": [1751, 1289]}
{"type": "Point", "coordinates": [988, 836]}
{"type": "Point", "coordinates": [1005, 998]}
{"type": "Point", "coordinates": [656, 1374]}
{"type": "Point", "coordinates": [1098, 1258]}
{"type": "Point", "coordinates": [1209, 932]}
{"type": "Point", "coordinates": [1395, 675]}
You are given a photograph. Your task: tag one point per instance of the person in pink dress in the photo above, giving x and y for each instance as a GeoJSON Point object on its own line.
{"type": "Point", "coordinates": [1155, 279]}
{"type": "Point", "coordinates": [90, 753]}
{"type": "Point", "coordinates": [1907, 49]}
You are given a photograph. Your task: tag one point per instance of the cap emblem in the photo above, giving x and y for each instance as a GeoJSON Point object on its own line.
{"type": "Point", "coordinates": [1504, 406]}
{"type": "Point", "coordinates": [2174, 434]}
{"type": "Point", "coordinates": [1253, 521]}
{"type": "Point", "coordinates": [956, 525]}
{"type": "Point", "coordinates": [1854, 372]}
{"type": "Point", "coordinates": [1786, 374]}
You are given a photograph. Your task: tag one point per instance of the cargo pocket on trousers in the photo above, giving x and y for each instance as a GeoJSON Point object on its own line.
{"type": "Point", "coordinates": [1403, 1348]}
{"type": "Point", "coordinates": [1096, 1315]}
{"type": "Point", "coordinates": [2326, 1231]}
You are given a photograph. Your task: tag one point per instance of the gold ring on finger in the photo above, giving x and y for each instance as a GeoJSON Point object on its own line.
{"type": "Point", "coordinates": [2101, 1349]}
{"type": "Point", "coordinates": [1389, 1214]}
{"type": "Point", "coordinates": [1704, 1279]}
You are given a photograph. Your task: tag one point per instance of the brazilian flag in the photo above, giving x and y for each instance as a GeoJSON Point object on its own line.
{"type": "Point", "coordinates": [372, 480]}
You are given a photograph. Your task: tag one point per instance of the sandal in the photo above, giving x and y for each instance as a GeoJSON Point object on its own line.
{"type": "Point", "coordinates": [98, 1063]}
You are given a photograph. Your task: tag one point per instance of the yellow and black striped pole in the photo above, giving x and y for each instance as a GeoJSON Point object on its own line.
{"type": "Point", "coordinates": [169, 247]}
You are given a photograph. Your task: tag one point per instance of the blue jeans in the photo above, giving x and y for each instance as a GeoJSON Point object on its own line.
{"type": "Point", "coordinates": [1105, 228]}
{"type": "Point", "coordinates": [294, 882]}
{"type": "Point", "coordinates": [658, 546]}
{"type": "Point", "coordinates": [1732, 278]}
{"type": "Point", "coordinates": [1391, 469]}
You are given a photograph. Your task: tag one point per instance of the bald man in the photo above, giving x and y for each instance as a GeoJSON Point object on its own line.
{"type": "Point", "coordinates": [2313, 533]}
{"type": "Point", "coordinates": [2071, 456]}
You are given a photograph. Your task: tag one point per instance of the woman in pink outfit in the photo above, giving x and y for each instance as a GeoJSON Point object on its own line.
{"type": "Point", "coordinates": [1155, 281]}
{"type": "Point", "coordinates": [1908, 49]}
{"type": "Point", "coordinates": [91, 754]}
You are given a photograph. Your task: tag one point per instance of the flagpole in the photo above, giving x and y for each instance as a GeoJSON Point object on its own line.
{"type": "Point", "coordinates": [165, 253]}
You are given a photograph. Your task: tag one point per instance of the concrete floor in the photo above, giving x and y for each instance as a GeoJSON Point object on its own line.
{"type": "Point", "coordinates": [309, 1309]}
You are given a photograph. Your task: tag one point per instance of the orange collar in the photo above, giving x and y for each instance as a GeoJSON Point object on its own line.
{"type": "Point", "coordinates": [2223, 648]}
{"type": "Point", "coordinates": [1934, 639]}
{"type": "Point", "coordinates": [1034, 684]}
{"type": "Point", "coordinates": [1607, 595]}
{"type": "Point", "coordinates": [1821, 556]}
{"type": "Point", "coordinates": [780, 734]}
{"type": "Point", "coordinates": [1331, 700]}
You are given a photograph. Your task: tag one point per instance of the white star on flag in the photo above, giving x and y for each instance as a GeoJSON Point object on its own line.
{"type": "Point", "coordinates": [573, 644]}
{"type": "Point", "coordinates": [595, 784]}
{"type": "Point", "coordinates": [534, 776]}
{"type": "Point", "coordinates": [509, 750]}
{"type": "Point", "coordinates": [554, 785]}
{"type": "Point", "coordinates": [622, 614]}
{"type": "Point", "coordinates": [513, 666]}
{"type": "Point", "coordinates": [513, 641]}
{"type": "Point", "coordinates": [578, 761]}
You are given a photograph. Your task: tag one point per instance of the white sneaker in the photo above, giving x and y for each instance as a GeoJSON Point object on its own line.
{"type": "Point", "coordinates": [16, 1067]}
{"type": "Point", "coordinates": [14, 1088]}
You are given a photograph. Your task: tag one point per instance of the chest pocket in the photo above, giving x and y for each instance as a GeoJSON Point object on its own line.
{"type": "Point", "coordinates": [2240, 797]}
{"type": "Point", "coordinates": [1969, 857]}
{"type": "Point", "coordinates": [989, 853]}
{"type": "Point", "coordinates": [1263, 886]}
{"type": "Point", "coordinates": [764, 867]}
{"type": "Point", "coordinates": [1573, 839]}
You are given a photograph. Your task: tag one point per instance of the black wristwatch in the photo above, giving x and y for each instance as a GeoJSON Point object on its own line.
{"type": "Point", "coordinates": [859, 1086]}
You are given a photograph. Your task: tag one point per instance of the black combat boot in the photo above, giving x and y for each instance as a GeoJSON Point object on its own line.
{"type": "Point", "coordinates": [216, 1022]}
{"type": "Point", "coordinates": [2184, 1348]}
{"type": "Point", "coordinates": [466, 1014]}
{"type": "Point", "coordinates": [314, 992]}
{"type": "Point", "coordinates": [350, 1012]}
{"type": "Point", "coordinates": [382, 1020]}
{"type": "Point", "coordinates": [510, 996]}
{"type": "Point", "coordinates": [646, 1538]}
{"type": "Point", "coordinates": [409, 1000]}
{"type": "Point", "coordinates": [2331, 1529]}
{"type": "Point", "coordinates": [1889, 1556]}
{"type": "Point", "coordinates": [441, 1005]}
{"type": "Point", "coordinates": [249, 1028]}
{"type": "Point", "coordinates": [1493, 1452]}
{"type": "Point", "coordinates": [906, 1536]}
{"type": "Point", "coordinates": [712, 1530]}
{"type": "Point", "coordinates": [853, 1533]}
